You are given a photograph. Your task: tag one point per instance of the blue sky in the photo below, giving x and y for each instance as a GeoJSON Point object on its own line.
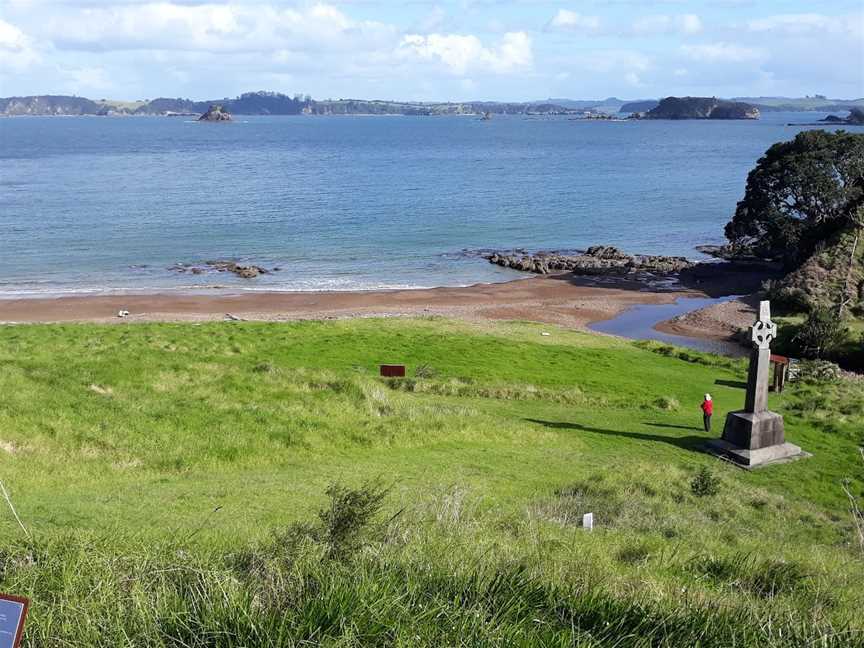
{"type": "Point", "coordinates": [462, 50]}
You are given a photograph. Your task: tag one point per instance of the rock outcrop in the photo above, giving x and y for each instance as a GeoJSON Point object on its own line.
{"type": "Point", "coordinates": [215, 114]}
{"type": "Point", "coordinates": [244, 271]}
{"type": "Point", "coordinates": [701, 108]}
{"type": "Point", "coordinates": [855, 118]}
{"type": "Point", "coordinates": [599, 260]}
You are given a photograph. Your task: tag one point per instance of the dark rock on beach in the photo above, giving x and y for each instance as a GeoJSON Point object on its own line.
{"type": "Point", "coordinates": [245, 271]}
{"type": "Point", "coordinates": [599, 260]}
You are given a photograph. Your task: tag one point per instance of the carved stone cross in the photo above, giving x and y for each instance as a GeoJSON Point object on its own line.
{"type": "Point", "coordinates": [762, 333]}
{"type": "Point", "coordinates": [764, 330]}
{"type": "Point", "coordinates": [755, 436]}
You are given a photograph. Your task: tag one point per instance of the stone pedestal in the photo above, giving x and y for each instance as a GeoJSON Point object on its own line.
{"type": "Point", "coordinates": [755, 439]}
{"type": "Point", "coordinates": [753, 430]}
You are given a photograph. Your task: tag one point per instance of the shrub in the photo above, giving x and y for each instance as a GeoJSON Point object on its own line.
{"type": "Point", "coordinates": [820, 334]}
{"type": "Point", "coordinates": [264, 367]}
{"type": "Point", "coordinates": [425, 371]}
{"type": "Point", "coordinates": [667, 403]}
{"type": "Point", "coordinates": [345, 523]}
{"type": "Point", "coordinates": [343, 528]}
{"type": "Point", "coordinates": [786, 299]}
{"type": "Point", "coordinates": [817, 371]}
{"type": "Point", "coordinates": [705, 484]}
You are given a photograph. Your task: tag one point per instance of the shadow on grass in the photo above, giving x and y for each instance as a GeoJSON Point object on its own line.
{"type": "Point", "coordinates": [674, 427]}
{"type": "Point", "coordinates": [690, 442]}
{"type": "Point", "coordinates": [731, 383]}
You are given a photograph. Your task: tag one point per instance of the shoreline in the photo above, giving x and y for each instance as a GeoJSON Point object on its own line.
{"type": "Point", "coordinates": [560, 299]}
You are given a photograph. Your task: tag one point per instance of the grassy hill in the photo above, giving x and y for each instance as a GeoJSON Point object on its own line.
{"type": "Point", "coordinates": [170, 475]}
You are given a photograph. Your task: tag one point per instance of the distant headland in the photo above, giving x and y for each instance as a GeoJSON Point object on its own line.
{"type": "Point", "coordinates": [700, 108]}
{"type": "Point", "coordinates": [274, 103]}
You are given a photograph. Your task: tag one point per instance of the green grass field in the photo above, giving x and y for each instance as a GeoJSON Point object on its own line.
{"type": "Point", "coordinates": [165, 473]}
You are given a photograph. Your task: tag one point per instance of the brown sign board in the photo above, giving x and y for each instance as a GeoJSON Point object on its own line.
{"type": "Point", "coordinates": [393, 371]}
{"type": "Point", "coordinates": [13, 611]}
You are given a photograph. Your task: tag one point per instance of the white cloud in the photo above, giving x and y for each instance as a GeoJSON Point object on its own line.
{"type": "Point", "coordinates": [461, 53]}
{"type": "Point", "coordinates": [661, 24]}
{"type": "Point", "coordinates": [16, 48]}
{"type": "Point", "coordinates": [572, 21]}
{"type": "Point", "coordinates": [85, 79]}
{"type": "Point", "coordinates": [213, 28]}
{"type": "Point", "coordinates": [808, 23]}
{"type": "Point", "coordinates": [722, 53]}
{"type": "Point", "coordinates": [633, 79]}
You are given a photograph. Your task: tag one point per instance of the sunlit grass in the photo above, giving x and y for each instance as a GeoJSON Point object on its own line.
{"type": "Point", "coordinates": [143, 457]}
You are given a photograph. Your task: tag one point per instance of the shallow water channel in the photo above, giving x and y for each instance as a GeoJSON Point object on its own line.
{"type": "Point", "coordinates": [638, 322]}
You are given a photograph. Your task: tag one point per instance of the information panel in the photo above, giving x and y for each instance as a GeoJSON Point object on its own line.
{"type": "Point", "coordinates": [13, 610]}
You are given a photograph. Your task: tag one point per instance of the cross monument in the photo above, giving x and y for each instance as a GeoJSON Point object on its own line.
{"type": "Point", "coordinates": [755, 436]}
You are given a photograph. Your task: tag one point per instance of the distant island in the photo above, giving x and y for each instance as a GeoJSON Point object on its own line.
{"type": "Point", "coordinates": [700, 108]}
{"type": "Point", "coordinates": [215, 113]}
{"type": "Point", "coordinates": [855, 118]}
{"type": "Point", "coordinates": [274, 103]}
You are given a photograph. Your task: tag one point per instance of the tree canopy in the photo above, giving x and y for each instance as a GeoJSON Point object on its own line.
{"type": "Point", "coordinates": [799, 194]}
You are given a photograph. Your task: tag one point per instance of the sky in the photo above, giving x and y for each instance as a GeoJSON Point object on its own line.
{"type": "Point", "coordinates": [505, 50]}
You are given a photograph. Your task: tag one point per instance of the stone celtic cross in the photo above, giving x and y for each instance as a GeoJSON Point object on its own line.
{"type": "Point", "coordinates": [762, 333]}
{"type": "Point", "coordinates": [764, 330]}
{"type": "Point", "coordinates": [755, 436]}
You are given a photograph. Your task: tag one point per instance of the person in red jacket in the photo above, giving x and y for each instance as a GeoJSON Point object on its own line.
{"type": "Point", "coordinates": [707, 411]}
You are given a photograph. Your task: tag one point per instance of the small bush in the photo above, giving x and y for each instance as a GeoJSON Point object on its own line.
{"type": "Point", "coordinates": [817, 371]}
{"type": "Point", "coordinates": [425, 371]}
{"type": "Point", "coordinates": [786, 299]}
{"type": "Point", "coordinates": [667, 403]}
{"type": "Point", "coordinates": [705, 484]}
{"type": "Point", "coordinates": [344, 527]}
{"type": "Point", "coordinates": [820, 334]}
{"type": "Point", "coordinates": [345, 523]}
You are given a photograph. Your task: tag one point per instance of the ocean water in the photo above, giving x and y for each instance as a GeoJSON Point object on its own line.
{"type": "Point", "coordinates": [110, 204]}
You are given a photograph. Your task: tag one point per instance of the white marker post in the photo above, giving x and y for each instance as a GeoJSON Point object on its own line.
{"type": "Point", "coordinates": [588, 521]}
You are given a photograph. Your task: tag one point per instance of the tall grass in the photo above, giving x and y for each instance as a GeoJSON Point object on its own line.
{"type": "Point", "coordinates": [332, 582]}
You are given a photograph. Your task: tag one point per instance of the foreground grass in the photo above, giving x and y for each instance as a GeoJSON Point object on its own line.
{"type": "Point", "coordinates": [146, 460]}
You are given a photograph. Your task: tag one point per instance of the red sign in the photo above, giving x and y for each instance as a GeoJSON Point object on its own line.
{"type": "Point", "coordinates": [13, 611]}
{"type": "Point", "coordinates": [393, 371]}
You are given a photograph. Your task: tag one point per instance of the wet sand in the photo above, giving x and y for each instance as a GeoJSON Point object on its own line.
{"type": "Point", "coordinates": [715, 322]}
{"type": "Point", "coordinates": [556, 299]}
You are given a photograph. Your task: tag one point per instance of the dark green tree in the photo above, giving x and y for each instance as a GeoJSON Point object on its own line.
{"type": "Point", "coordinates": [798, 195]}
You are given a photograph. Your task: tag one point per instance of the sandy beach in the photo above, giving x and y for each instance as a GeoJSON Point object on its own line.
{"type": "Point", "coordinates": [557, 299]}
{"type": "Point", "coordinates": [716, 322]}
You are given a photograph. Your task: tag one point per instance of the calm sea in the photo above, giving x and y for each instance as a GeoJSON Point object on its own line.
{"type": "Point", "coordinates": [94, 204]}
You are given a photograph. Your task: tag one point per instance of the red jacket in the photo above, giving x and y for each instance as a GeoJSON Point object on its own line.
{"type": "Point", "coordinates": [708, 407]}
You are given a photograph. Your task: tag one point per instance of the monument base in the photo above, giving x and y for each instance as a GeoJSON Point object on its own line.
{"type": "Point", "coordinates": [753, 431]}
{"type": "Point", "coordinates": [752, 440]}
{"type": "Point", "coordinates": [751, 459]}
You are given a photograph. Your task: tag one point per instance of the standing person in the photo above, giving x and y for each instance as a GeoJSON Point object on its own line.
{"type": "Point", "coordinates": [707, 411]}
